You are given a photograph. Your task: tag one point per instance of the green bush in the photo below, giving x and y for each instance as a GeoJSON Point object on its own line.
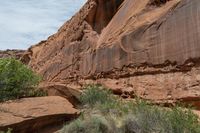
{"type": "Point", "coordinates": [16, 79]}
{"type": "Point", "coordinates": [184, 121]}
{"type": "Point", "coordinates": [122, 116]}
{"type": "Point", "coordinates": [102, 99]}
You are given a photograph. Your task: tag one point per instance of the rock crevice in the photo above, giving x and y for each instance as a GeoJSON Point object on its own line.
{"type": "Point", "coordinates": [102, 13]}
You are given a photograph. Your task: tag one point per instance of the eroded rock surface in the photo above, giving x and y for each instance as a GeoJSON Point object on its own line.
{"type": "Point", "coordinates": [70, 92]}
{"type": "Point", "coordinates": [35, 114]}
{"type": "Point", "coordinates": [134, 42]}
{"type": "Point", "coordinates": [101, 14]}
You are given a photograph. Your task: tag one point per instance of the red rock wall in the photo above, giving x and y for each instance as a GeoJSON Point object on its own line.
{"type": "Point", "coordinates": [165, 35]}
{"type": "Point", "coordinates": [102, 13]}
{"type": "Point", "coordinates": [107, 41]}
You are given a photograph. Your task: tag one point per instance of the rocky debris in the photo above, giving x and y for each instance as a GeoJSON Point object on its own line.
{"type": "Point", "coordinates": [35, 114]}
{"type": "Point", "coordinates": [150, 48]}
{"type": "Point", "coordinates": [12, 53]}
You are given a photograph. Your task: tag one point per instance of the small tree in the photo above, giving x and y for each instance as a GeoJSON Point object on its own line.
{"type": "Point", "coordinates": [16, 79]}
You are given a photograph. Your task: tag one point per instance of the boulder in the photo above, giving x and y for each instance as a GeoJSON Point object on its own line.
{"type": "Point", "coordinates": [69, 92]}
{"type": "Point", "coordinates": [35, 114]}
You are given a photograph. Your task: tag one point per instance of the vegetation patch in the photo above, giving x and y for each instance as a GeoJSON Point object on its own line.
{"type": "Point", "coordinates": [17, 80]}
{"type": "Point", "coordinates": [8, 131]}
{"type": "Point", "coordinates": [103, 112]}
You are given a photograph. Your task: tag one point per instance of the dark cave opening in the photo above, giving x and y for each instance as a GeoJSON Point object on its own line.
{"type": "Point", "coordinates": [158, 2]}
{"type": "Point", "coordinates": [102, 13]}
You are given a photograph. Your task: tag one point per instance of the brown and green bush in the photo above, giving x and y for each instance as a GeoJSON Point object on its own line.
{"type": "Point", "coordinates": [119, 116]}
{"type": "Point", "coordinates": [17, 80]}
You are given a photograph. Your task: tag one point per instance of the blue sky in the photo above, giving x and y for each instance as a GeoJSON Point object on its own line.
{"type": "Point", "coordinates": [27, 22]}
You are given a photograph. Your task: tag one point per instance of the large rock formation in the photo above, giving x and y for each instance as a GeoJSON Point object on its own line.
{"type": "Point", "coordinates": [33, 115]}
{"type": "Point", "coordinates": [150, 47]}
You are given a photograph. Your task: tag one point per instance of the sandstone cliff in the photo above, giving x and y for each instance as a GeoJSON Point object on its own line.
{"type": "Point", "coordinates": [148, 48]}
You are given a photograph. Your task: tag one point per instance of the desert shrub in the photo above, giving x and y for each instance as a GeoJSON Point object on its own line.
{"type": "Point", "coordinates": [95, 94]}
{"type": "Point", "coordinates": [147, 118]}
{"type": "Point", "coordinates": [183, 120]}
{"type": "Point", "coordinates": [36, 93]}
{"type": "Point", "coordinates": [93, 124]}
{"type": "Point", "coordinates": [102, 99]}
{"type": "Point", "coordinates": [74, 127]}
{"type": "Point", "coordinates": [16, 79]}
{"type": "Point", "coordinates": [138, 116]}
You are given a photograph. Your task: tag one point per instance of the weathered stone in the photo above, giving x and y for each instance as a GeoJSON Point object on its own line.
{"type": "Point", "coordinates": [137, 34]}
{"type": "Point", "coordinates": [70, 92]}
{"type": "Point", "coordinates": [136, 42]}
{"type": "Point", "coordinates": [35, 114]}
{"type": "Point", "coordinates": [160, 88]}
{"type": "Point", "coordinates": [102, 13]}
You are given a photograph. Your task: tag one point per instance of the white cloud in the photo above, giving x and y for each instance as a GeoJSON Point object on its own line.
{"type": "Point", "coordinates": [26, 22]}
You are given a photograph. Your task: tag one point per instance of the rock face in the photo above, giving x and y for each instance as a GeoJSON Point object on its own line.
{"type": "Point", "coordinates": [70, 92]}
{"type": "Point", "coordinates": [35, 114]}
{"type": "Point", "coordinates": [152, 46]}
{"type": "Point", "coordinates": [101, 14]}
